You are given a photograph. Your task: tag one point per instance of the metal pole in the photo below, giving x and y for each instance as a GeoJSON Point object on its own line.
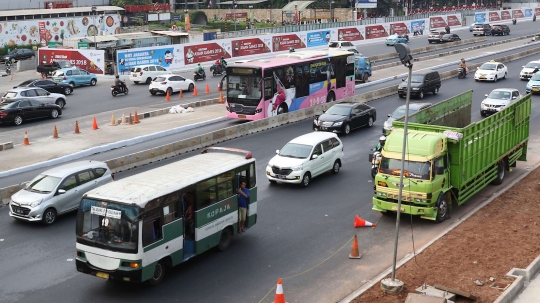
{"type": "Point", "coordinates": [405, 130]}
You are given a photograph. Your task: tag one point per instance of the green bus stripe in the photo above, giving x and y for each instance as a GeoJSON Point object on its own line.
{"type": "Point", "coordinates": [216, 211]}
{"type": "Point", "coordinates": [171, 231]}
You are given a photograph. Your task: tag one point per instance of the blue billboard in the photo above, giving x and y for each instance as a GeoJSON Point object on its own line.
{"type": "Point", "coordinates": [320, 38]}
{"type": "Point", "coordinates": [162, 56]}
{"type": "Point", "coordinates": [528, 12]}
{"type": "Point", "coordinates": [480, 18]}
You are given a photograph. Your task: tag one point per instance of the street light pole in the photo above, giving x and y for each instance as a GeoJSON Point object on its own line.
{"type": "Point", "coordinates": [94, 9]}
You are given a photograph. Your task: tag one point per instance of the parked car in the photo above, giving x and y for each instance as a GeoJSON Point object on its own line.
{"type": "Point", "coordinates": [436, 36]}
{"type": "Point", "coordinates": [145, 73]}
{"type": "Point", "coordinates": [500, 29]}
{"type": "Point", "coordinates": [482, 29]}
{"type": "Point", "coordinates": [306, 157]}
{"type": "Point", "coordinates": [36, 93]}
{"type": "Point", "coordinates": [170, 83]}
{"type": "Point", "coordinates": [400, 112]}
{"type": "Point", "coordinates": [74, 77]}
{"type": "Point", "coordinates": [450, 38]}
{"type": "Point", "coordinates": [19, 54]}
{"type": "Point", "coordinates": [48, 85]}
{"type": "Point", "coordinates": [49, 69]}
{"type": "Point", "coordinates": [533, 86]}
{"type": "Point", "coordinates": [58, 190]}
{"type": "Point", "coordinates": [18, 111]}
{"type": "Point", "coordinates": [393, 39]}
{"type": "Point", "coordinates": [497, 100]}
{"type": "Point", "coordinates": [421, 82]}
{"type": "Point", "coordinates": [344, 117]}
{"type": "Point", "coordinates": [491, 71]}
{"type": "Point", "coordinates": [340, 44]}
{"type": "Point", "coordinates": [527, 71]}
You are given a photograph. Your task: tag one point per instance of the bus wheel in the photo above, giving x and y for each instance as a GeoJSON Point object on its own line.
{"type": "Point", "coordinates": [159, 273]}
{"type": "Point", "coordinates": [443, 206]}
{"type": "Point", "coordinates": [282, 109]}
{"type": "Point", "coordinates": [331, 97]}
{"type": "Point", "coordinates": [224, 239]}
{"type": "Point", "coordinates": [500, 173]}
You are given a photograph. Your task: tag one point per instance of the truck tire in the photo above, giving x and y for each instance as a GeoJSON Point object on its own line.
{"type": "Point", "coordinates": [500, 173]}
{"type": "Point", "coordinates": [443, 207]}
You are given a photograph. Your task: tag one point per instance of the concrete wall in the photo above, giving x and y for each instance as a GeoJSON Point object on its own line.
{"type": "Point", "coordinates": [341, 14]}
{"type": "Point", "coordinates": [36, 4]}
{"type": "Point", "coordinates": [26, 65]}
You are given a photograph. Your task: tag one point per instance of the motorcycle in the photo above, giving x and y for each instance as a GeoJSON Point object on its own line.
{"type": "Point", "coordinates": [115, 90]}
{"type": "Point", "coordinates": [217, 70]}
{"type": "Point", "coordinates": [462, 72]}
{"type": "Point", "coordinates": [514, 21]}
{"type": "Point", "coordinates": [8, 70]}
{"type": "Point", "coordinates": [375, 159]}
{"type": "Point", "coordinates": [197, 76]}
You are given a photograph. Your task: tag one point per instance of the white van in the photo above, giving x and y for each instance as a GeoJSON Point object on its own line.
{"type": "Point", "coordinates": [146, 73]}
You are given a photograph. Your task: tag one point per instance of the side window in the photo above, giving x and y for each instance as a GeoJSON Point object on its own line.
{"type": "Point", "coordinates": [69, 73]}
{"type": "Point", "coordinates": [40, 92]}
{"type": "Point", "coordinates": [100, 171]}
{"type": "Point", "coordinates": [327, 145]}
{"type": "Point", "coordinates": [515, 94]}
{"type": "Point", "coordinates": [317, 150]}
{"type": "Point", "coordinates": [160, 69]}
{"type": "Point", "coordinates": [170, 207]}
{"type": "Point", "coordinates": [23, 94]}
{"type": "Point", "coordinates": [24, 104]}
{"type": "Point", "coordinates": [362, 107]}
{"type": "Point", "coordinates": [85, 176]}
{"type": "Point", "coordinates": [206, 193]}
{"type": "Point", "coordinates": [438, 163]}
{"type": "Point", "coordinates": [151, 230]}
{"type": "Point", "coordinates": [268, 88]}
{"type": "Point", "coordinates": [252, 176]}
{"type": "Point", "coordinates": [225, 185]}
{"type": "Point", "coordinates": [152, 68]}
{"type": "Point", "coordinates": [355, 110]}
{"type": "Point", "coordinates": [145, 69]}
{"type": "Point", "coordinates": [75, 72]}
{"type": "Point", "coordinates": [335, 142]}
{"type": "Point", "coordinates": [69, 183]}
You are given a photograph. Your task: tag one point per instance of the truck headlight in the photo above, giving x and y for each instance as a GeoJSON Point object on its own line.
{"type": "Point", "coordinates": [381, 194]}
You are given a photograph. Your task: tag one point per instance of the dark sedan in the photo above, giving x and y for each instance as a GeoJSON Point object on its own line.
{"type": "Point", "coordinates": [21, 110]}
{"type": "Point", "coordinates": [500, 30]}
{"type": "Point", "coordinates": [343, 117]}
{"type": "Point", "coordinates": [48, 85]}
{"type": "Point", "coordinates": [450, 38]}
{"type": "Point", "coordinates": [19, 54]}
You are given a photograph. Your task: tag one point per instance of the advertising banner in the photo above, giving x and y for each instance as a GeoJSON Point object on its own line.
{"type": "Point", "coordinates": [505, 15]}
{"type": "Point", "coordinates": [285, 42]}
{"type": "Point", "coordinates": [517, 13]}
{"type": "Point", "coordinates": [207, 52]}
{"type": "Point", "coordinates": [494, 16]}
{"type": "Point", "coordinates": [479, 17]}
{"type": "Point", "coordinates": [251, 46]}
{"type": "Point", "coordinates": [375, 31]}
{"type": "Point", "coordinates": [537, 11]}
{"type": "Point", "coordinates": [437, 22]}
{"type": "Point", "coordinates": [319, 38]}
{"type": "Point", "coordinates": [399, 28]}
{"type": "Point", "coordinates": [366, 3]}
{"type": "Point", "coordinates": [92, 61]}
{"type": "Point", "coordinates": [453, 20]}
{"type": "Point", "coordinates": [158, 55]}
{"type": "Point", "coordinates": [528, 12]}
{"type": "Point", "coordinates": [349, 34]}
{"type": "Point", "coordinates": [418, 27]}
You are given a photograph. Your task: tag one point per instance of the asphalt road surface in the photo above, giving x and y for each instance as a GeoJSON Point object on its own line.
{"type": "Point", "coordinates": [297, 230]}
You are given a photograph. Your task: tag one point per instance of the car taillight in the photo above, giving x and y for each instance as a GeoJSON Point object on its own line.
{"type": "Point", "coordinates": [112, 176]}
{"type": "Point", "coordinates": [164, 82]}
{"type": "Point", "coordinates": [3, 114]}
{"type": "Point", "coordinates": [140, 74]}
{"type": "Point", "coordinates": [64, 78]}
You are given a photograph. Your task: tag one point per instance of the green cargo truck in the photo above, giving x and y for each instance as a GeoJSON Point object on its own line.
{"type": "Point", "coordinates": [448, 158]}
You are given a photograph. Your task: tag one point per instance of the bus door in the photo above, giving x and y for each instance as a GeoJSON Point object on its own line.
{"type": "Point", "coordinates": [188, 215]}
{"type": "Point", "coordinates": [248, 175]}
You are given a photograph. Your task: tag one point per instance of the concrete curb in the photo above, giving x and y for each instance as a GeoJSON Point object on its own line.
{"type": "Point", "coordinates": [521, 276]}
{"type": "Point", "coordinates": [409, 256]}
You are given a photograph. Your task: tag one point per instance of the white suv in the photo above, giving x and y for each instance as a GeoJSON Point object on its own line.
{"type": "Point", "coordinates": [340, 44]}
{"type": "Point", "coordinates": [306, 157]}
{"type": "Point", "coordinates": [145, 73]}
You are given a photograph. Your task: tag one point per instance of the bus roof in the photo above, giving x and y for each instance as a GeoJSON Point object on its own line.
{"type": "Point", "coordinates": [289, 58]}
{"type": "Point", "coordinates": [146, 186]}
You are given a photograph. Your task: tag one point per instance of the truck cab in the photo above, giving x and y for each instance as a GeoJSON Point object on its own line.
{"type": "Point", "coordinates": [362, 68]}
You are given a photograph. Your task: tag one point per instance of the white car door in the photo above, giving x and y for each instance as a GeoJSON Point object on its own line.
{"type": "Point", "coordinates": [317, 165]}
{"type": "Point", "coordinates": [183, 83]}
{"type": "Point", "coordinates": [500, 71]}
{"type": "Point", "coordinates": [329, 155]}
{"type": "Point", "coordinates": [175, 83]}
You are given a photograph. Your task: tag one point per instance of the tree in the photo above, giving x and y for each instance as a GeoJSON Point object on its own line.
{"type": "Point", "coordinates": [123, 3]}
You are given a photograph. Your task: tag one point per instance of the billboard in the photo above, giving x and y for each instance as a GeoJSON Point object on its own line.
{"type": "Point", "coordinates": [349, 34]}
{"type": "Point", "coordinates": [206, 52]}
{"type": "Point", "coordinates": [399, 28]}
{"type": "Point", "coordinates": [437, 22]}
{"type": "Point", "coordinates": [158, 55]}
{"type": "Point", "coordinates": [251, 46]}
{"type": "Point", "coordinates": [517, 13]}
{"type": "Point", "coordinates": [505, 15]}
{"type": "Point", "coordinates": [494, 16]}
{"type": "Point", "coordinates": [319, 38]}
{"type": "Point", "coordinates": [479, 17]}
{"type": "Point", "coordinates": [366, 3]}
{"type": "Point", "coordinates": [92, 61]}
{"type": "Point", "coordinates": [537, 11]}
{"type": "Point", "coordinates": [375, 31]}
{"type": "Point", "coordinates": [528, 12]}
{"type": "Point", "coordinates": [285, 42]}
{"type": "Point", "coordinates": [453, 20]}
{"type": "Point", "coordinates": [418, 27]}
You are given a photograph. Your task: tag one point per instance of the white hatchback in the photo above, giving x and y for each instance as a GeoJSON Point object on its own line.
{"type": "Point", "coordinates": [170, 83]}
{"type": "Point", "coordinates": [306, 157]}
{"type": "Point", "coordinates": [145, 73]}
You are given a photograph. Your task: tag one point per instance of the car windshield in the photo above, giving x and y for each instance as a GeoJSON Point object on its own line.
{"type": "Point", "coordinates": [416, 79]}
{"type": "Point", "coordinates": [501, 95]}
{"type": "Point", "coordinates": [294, 150]}
{"type": "Point", "coordinates": [532, 65]}
{"type": "Point", "coordinates": [58, 73]}
{"type": "Point", "coordinates": [10, 95]}
{"type": "Point", "coordinates": [416, 170]}
{"type": "Point", "coordinates": [339, 110]}
{"type": "Point", "coordinates": [25, 83]}
{"type": "Point", "coordinates": [108, 225]}
{"type": "Point", "coordinates": [488, 66]}
{"type": "Point", "coordinates": [160, 79]}
{"type": "Point", "coordinates": [334, 44]}
{"type": "Point", "coordinates": [64, 64]}
{"type": "Point", "coordinates": [400, 112]}
{"type": "Point", "coordinates": [536, 77]}
{"type": "Point", "coordinates": [43, 184]}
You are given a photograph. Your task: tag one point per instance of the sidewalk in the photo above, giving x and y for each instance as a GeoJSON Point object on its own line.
{"type": "Point", "coordinates": [531, 293]}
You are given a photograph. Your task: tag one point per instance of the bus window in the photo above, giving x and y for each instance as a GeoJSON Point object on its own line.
{"type": "Point", "coordinates": [170, 208]}
{"type": "Point", "coordinates": [151, 230]}
{"type": "Point", "coordinates": [289, 77]}
{"type": "Point", "coordinates": [225, 186]}
{"type": "Point", "coordinates": [252, 181]}
{"type": "Point", "coordinates": [341, 68]}
{"type": "Point", "coordinates": [299, 83]}
{"type": "Point", "coordinates": [268, 88]}
{"type": "Point", "coordinates": [305, 80]}
{"type": "Point", "coordinates": [206, 193]}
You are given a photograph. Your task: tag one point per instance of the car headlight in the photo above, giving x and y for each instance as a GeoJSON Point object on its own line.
{"type": "Point", "coordinates": [297, 168]}
{"type": "Point", "coordinates": [316, 122]}
{"type": "Point", "coordinates": [36, 203]}
{"type": "Point", "coordinates": [528, 86]}
{"type": "Point", "coordinates": [338, 123]}
{"type": "Point", "coordinates": [415, 88]}
{"type": "Point", "coordinates": [387, 125]}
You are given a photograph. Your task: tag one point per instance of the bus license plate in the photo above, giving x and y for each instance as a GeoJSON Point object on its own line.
{"type": "Point", "coordinates": [395, 208]}
{"type": "Point", "coordinates": [102, 275]}
{"type": "Point", "coordinates": [241, 116]}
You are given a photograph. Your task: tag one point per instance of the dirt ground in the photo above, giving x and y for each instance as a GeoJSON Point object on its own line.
{"type": "Point", "coordinates": [502, 235]}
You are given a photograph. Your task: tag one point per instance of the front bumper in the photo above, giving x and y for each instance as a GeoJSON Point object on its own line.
{"type": "Point", "coordinates": [332, 129]}
{"type": "Point", "coordinates": [489, 110]}
{"type": "Point", "coordinates": [429, 213]}
{"type": "Point", "coordinates": [525, 76]}
{"type": "Point", "coordinates": [117, 275]}
{"type": "Point", "coordinates": [26, 213]}
{"type": "Point", "coordinates": [295, 177]}
{"type": "Point", "coordinates": [484, 77]}
{"type": "Point", "coordinates": [403, 91]}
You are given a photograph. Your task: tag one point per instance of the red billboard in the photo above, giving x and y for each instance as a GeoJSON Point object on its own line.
{"type": "Point", "coordinates": [494, 16]}
{"type": "Point", "coordinates": [505, 15]}
{"type": "Point", "coordinates": [285, 42]}
{"type": "Point", "coordinates": [375, 31]}
{"type": "Point", "coordinates": [537, 11]}
{"type": "Point", "coordinates": [204, 53]}
{"type": "Point", "coordinates": [349, 34]}
{"type": "Point", "coordinates": [453, 20]}
{"type": "Point", "coordinates": [245, 47]}
{"type": "Point", "coordinates": [89, 60]}
{"type": "Point", "coordinates": [436, 22]}
{"type": "Point", "coordinates": [517, 13]}
{"type": "Point", "coordinates": [399, 28]}
{"type": "Point", "coordinates": [43, 41]}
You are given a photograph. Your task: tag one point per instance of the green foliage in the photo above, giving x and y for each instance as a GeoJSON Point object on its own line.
{"type": "Point", "coordinates": [123, 3]}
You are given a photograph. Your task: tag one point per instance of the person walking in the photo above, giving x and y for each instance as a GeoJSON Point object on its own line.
{"type": "Point", "coordinates": [243, 200]}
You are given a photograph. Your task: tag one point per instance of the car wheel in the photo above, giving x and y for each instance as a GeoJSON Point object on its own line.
{"type": "Point", "coordinates": [346, 129]}
{"type": "Point", "coordinates": [136, 82]}
{"type": "Point", "coordinates": [169, 91]}
{"type": "Point", "coordinates": [49, 216]}
{"type": "Point", "coordinates": [306, 180]}
{"type": "Point", "coordinates": [401, 96]}
{"type": "Point", "coordinates": [159, 273]}
{"type": "Point", "coordinates": [18, 120]}
{"type": "Point", "coordinates": [54, 113]}
{"type": "Point", "coordinates": [436, 91]}
{"type": "Point", "coordinates": [68, 90]}
{"type": "Point", "coordinates": [495, 79]}
{"type": "Point", "coordinates": [482, 114]}
{"type": "Point", "coordinates": [72, 84]}
{"type": "Point", "coordinates": [191, 87]}
{"type": "Point", "coordinates": [443, 207]}
{"type": "Point", "coordinates": [60, 103]}
{"type": "Point", "coordinates": [370, 121]}
{"type": "Point", "coordinates": [153, 93]}
{"type": "Point", "coordinates": [336, 167]}
{"type": "Point", "coordinates": [421, 95]}
{"type": "Point", "coordinates": [148, 80]}
{"type": "Point", "coordinates": [366, 77]}
{"type": "Point", "coordinates": [93, 82]}
{"type": "Point", "coordinates": [224, 239]}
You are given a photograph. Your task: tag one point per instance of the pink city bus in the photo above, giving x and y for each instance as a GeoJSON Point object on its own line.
{"type": "Point", "coordinates": [263, 88]}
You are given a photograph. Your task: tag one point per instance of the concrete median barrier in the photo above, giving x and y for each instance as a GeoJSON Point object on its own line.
{"type": "Point", "coordinates": [7, 192]}
{"type": "Point", "coordinates": [231, 133]}
{"type": "Point", "coordinates": [6, 145]}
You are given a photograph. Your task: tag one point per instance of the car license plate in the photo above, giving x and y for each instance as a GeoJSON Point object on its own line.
{"type": "Point", "coordinates": [395, 208]}
{"type": "Point", "coordinates": [281, 177]}
{"type": "Point", "coordinates": [57, 80]}
{"type": "Point", "coordinates": [482, 77]}
{"type": "Point", "coordinates": [241, 116]}
{"type": "Point", "coordinates": [134, 75]}
{"type": "Point", "coordinates": [535, 89]}
{"type": "Point", "coordinates": [102, 275]}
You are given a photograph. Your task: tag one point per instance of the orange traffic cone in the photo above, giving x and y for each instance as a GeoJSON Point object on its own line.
{"type": "Point", "coordinates": [207, 91]}
{"type": "Point", "coordinates": [94, 125]}
{"type": "Point", "coordinates": [168, 96]}
{"type": "Point", "coordinates": [195, 91]}
{"type": "Point", "coordinates": [55, 133]}
{"type": "Point", "coordinates": [77, 128]}
{"type": "Point", "coordinates": [136, 118]}
{"type": "Point", "coordinates": [221, 101]}
{"type": "Point", "coordinates": [358, 222]}
{"type": "Point", "coordinates": [219, 86]}
{"type": "Point", "coordinates": [26, 141]}
{"type": "Point", "coordinates": [113, 120]}
{"type": "Point", "coordinates": [280, 297]}
{"type": "Point", "coordinates": [180, 95]}
{"type": "Point", "coordinates": [355, 253]}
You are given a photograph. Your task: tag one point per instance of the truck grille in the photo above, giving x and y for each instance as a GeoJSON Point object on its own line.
{"type": "Point", "coordinates": [281, 171]}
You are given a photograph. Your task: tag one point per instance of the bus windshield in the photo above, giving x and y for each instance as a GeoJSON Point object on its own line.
{"type": "Point", "coordinates": [108, 225]}
{"type": "Point", "coordinates": [244, 87]}
{"type": "Point", "coordinates": [416, 170]}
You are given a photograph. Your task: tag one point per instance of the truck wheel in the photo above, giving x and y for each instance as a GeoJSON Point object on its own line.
{"type": "Point", "coordinates": [500, 173]}
{"type": "Point", "coordinates": [443, 205]}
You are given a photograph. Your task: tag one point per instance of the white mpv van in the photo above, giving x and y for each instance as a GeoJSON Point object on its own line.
{"type": "Point", "coordinates": [306, 157]}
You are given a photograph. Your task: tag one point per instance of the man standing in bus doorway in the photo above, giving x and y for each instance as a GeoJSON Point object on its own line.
{"type": "Point", "coordinates": [243, 199]}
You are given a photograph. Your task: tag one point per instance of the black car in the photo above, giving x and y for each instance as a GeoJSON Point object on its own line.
{"type": "Point", "coordinates": [421, 82]}
{"type": "Point", "coordinates": [19, 54]}
{"type": "Point", "coordinates": [500, 29]}
{"type": "Point", "coordinates": [450, 38]}
{"type": "Point", "coordinates": [400, 112]}
{"type": "Point", "coordinates": [21, 110]}
{"type": "Point", "coordinates": [48, 85]}
{"type": "Point", "coordinates": [342, 117]}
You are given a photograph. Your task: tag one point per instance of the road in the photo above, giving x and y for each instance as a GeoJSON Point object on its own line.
{"type": "Point", "coordinates": [297, 230]}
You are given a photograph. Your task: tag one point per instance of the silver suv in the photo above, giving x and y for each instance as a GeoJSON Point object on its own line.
{"type": "Point", "coordinates": [57, 191]}
{"type": "Point", "coordinates": [35, 93]}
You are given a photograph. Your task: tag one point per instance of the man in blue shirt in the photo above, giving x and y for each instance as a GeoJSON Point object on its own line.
{"type": "Point", "coordinates": [243, 200]}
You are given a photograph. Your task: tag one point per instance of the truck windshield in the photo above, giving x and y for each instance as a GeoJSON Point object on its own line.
{"type": "Point", "coordinates": [107, 225]}
{"type": "Point", "coordinates": [416, 170]}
